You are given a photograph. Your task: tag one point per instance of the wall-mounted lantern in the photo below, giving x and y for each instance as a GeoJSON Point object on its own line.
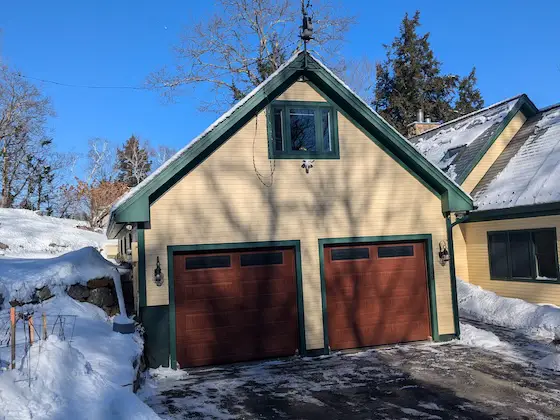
{"type": "Point", "coordinates": [158, 275]}
{"type": "Point", "coordinates": [443, 253]}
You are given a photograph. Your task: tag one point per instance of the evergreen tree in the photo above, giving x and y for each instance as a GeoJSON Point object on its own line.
{"type": "Point", "coordinates": [133, 163]}
{"type": "Point", "coordinates": [469, 96]}
{"type": "Point", "coordinates": [411, 79]}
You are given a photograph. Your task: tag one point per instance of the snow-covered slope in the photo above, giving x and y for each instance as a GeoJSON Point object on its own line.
{"type": "Point", "coordinates": [89, 377]}
{"type": "Point", "coordinates": [29, 235]}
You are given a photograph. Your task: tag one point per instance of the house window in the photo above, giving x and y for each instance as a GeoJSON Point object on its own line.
{"type": "Point", "coordinates": [523, 255]}
{"type": "Point", "coordinates": [303, 130]}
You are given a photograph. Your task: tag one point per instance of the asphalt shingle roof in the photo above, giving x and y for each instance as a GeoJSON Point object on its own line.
{"type": "Point", "coordinates": [456, 146]}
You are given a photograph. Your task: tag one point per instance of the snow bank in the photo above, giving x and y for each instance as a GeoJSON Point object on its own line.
{"type": "Point", "coordinates": [20, 277]}
{"type": "Point", "coordinates": [30, 235]}
{"type": "Point", "coordinates": [485, 306]}
{"type": "Point", "coordinates": [89, 377]}
{"type": "Point", "coordinates": [66, 386]}
{"type": "Point", "coordinates": [475, 337]}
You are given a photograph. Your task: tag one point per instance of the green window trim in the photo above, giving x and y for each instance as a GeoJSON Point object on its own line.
{"type": "Point", "coordinates": [287, 153]}
{"type": "Point", "coordinates": [509, 277]}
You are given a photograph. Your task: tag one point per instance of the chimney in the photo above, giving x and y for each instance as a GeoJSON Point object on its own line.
{"type": "Point", "coordinates": [421, 125]}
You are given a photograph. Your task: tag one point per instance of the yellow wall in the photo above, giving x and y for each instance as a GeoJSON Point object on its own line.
{"type": "Point", "coordinates": [479, 266]}
{"type": "Point", "coordinates": [239, 195]}
{"type": "Point", "coordinates": [493, 152]}
{"type": "Point", "coordinates": [460, 251]}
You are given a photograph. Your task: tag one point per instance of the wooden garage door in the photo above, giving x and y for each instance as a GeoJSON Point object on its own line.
{"type": "Point", "coordinates": [235, 306]}
{"type": "Point", "coordinates": [376, 294]}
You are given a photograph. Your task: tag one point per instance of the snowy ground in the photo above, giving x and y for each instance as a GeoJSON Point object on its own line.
{"type": "Point", "coordinates": [87, 376]}
{"type": "Point", "coordinates": [29, 235]}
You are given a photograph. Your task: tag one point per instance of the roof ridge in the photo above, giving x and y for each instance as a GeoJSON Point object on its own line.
{"type": "Point", "coordinates": [549, 107]}
{"type": "Point", "coordinates": [470, 114]}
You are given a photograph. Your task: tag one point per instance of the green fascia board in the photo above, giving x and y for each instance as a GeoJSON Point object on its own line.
{"type": "Point", "coordinates": [393, 141]}
{"type": "Point", "coordinates": [425, 238]}
{"type": "Point", "coordinates": [137, 208]}
{"type": "Point", "coordinates": [523, 104]}
{"type": "Point", "coordinates": [233, 246]}
{"type": "Point", "coordinates": [519, 212]}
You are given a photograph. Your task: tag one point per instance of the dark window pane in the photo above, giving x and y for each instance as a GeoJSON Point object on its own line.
{"type": "Point", "coordinates": [349, 254]}
{"type": "Point", "coordinates": [545, 254]}
{"type": "Point", "coordinates": [302, 129]}
{"type": "Point", "coordinates": [278, 127]}
{"type": "Point", "coordinates": [262, 258]}
{"type": "Point", "coordinates": [395, 251]}
{"type": "Point", "coordinates": [497, 246]}
{"type": "Point", "coordinates": [327, 141]}
{"type": "Point", "coordinates": [211, 261]}
{"type": "Point", "coordinates": [520, 251]}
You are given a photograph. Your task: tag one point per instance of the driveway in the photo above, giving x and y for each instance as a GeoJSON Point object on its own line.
{"type": "Point", "coordinates": [422, 380]}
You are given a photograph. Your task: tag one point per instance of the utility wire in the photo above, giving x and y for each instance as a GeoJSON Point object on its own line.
{"type": "Point", "coordinates": [53, 82]}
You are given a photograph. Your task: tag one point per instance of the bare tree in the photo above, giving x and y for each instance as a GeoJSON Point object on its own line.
{"type": "Point", "coordinates": [236, 49]}
{"type": "Point", "coordinates": [24, 147]}
{"type": "Point", "coordinates": [100, 161]}
{"type": "Point", "coordinates": [162, 155]}
{"type": "Point", "coordinates": [359, 74]}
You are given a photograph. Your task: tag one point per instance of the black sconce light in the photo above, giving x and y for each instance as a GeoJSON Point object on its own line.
{"type": "Point", "coordinates": [158, 276]}
{"type": "Point", "coordinates": [443, 253]}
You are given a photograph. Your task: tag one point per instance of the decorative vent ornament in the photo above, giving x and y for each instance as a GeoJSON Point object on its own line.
{"type": "Point", "coordinates": [307, 165]}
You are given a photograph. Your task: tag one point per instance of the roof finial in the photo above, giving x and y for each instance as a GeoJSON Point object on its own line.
{"type": "Point", "coordinates": [307, 26]}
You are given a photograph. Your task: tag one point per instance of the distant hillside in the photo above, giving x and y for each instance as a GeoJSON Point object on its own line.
{"type": "Point", "coordinates": [29, 235]}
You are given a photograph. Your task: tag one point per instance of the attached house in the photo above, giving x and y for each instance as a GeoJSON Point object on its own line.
{"type": "Point", "coordinates": [297, 223]}
{"type": "Point", "coordinates": [507, 157]}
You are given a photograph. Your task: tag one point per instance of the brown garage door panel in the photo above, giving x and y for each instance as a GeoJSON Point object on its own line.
{"type": "Point", "coordinates": [378, 300]}
{"type": "Point", "coordinates": [237, 313]}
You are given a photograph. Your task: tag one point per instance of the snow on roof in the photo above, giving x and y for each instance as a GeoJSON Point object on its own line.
{"type": "Point", "coordinates": [529, 176]}
{"type": "Point", "coordinates": [221, 119]}
{"type": "Point", "coordinates": [454, 145]}
{"type": "Point", "coordinates": [225, 116]}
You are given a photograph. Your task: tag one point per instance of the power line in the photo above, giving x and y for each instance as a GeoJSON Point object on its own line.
{"type": "Point", "coordinates": [53, 82]}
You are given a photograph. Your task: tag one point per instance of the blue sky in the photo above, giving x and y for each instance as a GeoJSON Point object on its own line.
{"type": "Point", "coordinates": [514, 45]}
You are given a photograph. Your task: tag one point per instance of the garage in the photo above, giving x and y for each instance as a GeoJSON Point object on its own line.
{"type": "Point", "coordinates": [235, 306]}
{"type": "Point", "coordinates": [376, 294]}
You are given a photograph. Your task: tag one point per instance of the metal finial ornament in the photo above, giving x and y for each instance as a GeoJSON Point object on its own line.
{"type": "Point", "coordinates": [307, 25]}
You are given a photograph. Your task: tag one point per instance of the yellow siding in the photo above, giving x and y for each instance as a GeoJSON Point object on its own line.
{"type": "Point", "coordinates": [493, 152]}
{"type": "Point", "coordinates": [238, 195]}
{"type": "Point", "coordinates": [460, 251]}
{"type": "Point", "coordinates": [479, 267]}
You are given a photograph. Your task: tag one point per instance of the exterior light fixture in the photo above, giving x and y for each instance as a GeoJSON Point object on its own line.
{"type": "Point", "coordinates": [444, 256]}
{"type": "Point", "coordinates": [158, 275]}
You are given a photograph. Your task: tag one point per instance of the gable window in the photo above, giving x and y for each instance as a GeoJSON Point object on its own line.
{"type": "Point", "coordinates": [303, 130]}
{"type": "Point", "coordinates": [525, 255]}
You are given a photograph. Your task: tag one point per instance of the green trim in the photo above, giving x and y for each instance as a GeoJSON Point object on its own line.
{"type": "Point", "coordinates": [156, 335]}
{"type": "Point", "coordinates": [233, 246]}
{"type": "Point", "coordinates": [453, 277]}
{"type": "Point", "coordinates": [377, 142]}
{"type": "Point", "coordinates": [287, 153]}
{"type": "Point", "coordinates": [519, 212]}
{"type": "Point", "coordinates": [425, 238]}
{"type": "Point", "coordinates": [523, 104]}
{"type": "Point", "coordinates": [399, 146]}
{"type": "Point", "coordinates": [510, 277]}
{"type": "Point", "coordinates": [141, 268]}
{"type": "Point", "coordinates": [446, 337]}
{"type": "Point", "coordinates": [136, 209]}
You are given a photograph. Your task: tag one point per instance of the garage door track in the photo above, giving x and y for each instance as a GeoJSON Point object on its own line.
{"type": "Point", "coordinates": [423, 380]}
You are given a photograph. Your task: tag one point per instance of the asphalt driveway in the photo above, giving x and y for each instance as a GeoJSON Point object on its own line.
{"type": "Point", "coordinates": [423, 380]}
